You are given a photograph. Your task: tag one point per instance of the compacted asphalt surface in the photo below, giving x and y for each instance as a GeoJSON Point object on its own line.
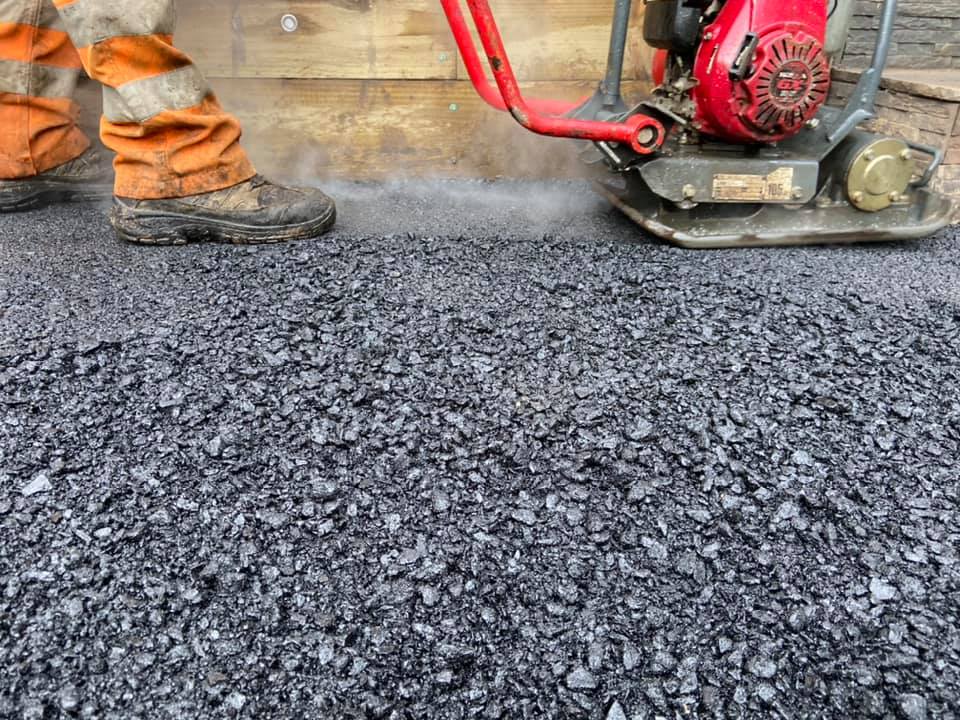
{"type": "Point", "coordinates": [485, 451]}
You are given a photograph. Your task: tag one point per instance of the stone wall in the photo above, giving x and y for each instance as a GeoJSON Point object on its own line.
{"type": "Point", "coordinates": [927, 34]}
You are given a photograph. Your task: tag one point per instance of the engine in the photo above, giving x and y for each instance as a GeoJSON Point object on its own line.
{"type": "Point", "coordinates": [749, 71]}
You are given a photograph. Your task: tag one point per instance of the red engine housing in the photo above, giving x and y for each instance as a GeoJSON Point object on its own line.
{"type": "Point", "coordinates": [782, 73]}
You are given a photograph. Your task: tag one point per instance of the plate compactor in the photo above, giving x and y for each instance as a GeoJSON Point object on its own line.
{"type": "Point", "coordinates": [736, 145]}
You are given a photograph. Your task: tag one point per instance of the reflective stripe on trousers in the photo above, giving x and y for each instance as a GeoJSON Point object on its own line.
{"type": "Point", "coordinates": [170, 134]}
{"type": "Point", "coordinates": [38, 74]}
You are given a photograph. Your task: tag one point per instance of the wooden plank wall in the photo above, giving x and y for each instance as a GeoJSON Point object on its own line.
{"type": "Point", "coordinates": [374, 88]}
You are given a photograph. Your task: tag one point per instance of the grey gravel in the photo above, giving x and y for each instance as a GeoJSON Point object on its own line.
{"type": "Point", "coordinates": [40, 484]}
{"type": "Point", "coordinates": [581, 679]}
{"type": "Point", "coordinates": [763, 667]}
{"type": "Point", "coordinates": [484, 452]}
{"type": "Point", "coordinates": [69, 699]}
{"type": "Point", "coordinates": [881, 590]}
{"type": "Point", "coordinates": [913, 706]}
{"type": "Point", "coordinates": [616, 712]}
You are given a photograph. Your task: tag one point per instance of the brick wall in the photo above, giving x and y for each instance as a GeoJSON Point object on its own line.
{"type": "Point", "coordinates": [927, 34]}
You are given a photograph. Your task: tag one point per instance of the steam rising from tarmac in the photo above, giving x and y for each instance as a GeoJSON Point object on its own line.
{"type": "Point", "coordinates": [527, 198]}
{"type": "Point", "coordinates": [457, 207]}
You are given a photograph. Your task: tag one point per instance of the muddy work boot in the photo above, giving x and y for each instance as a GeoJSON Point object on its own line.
{"type": "Point", "coordinates": [255, 211]}
{"type": "Point", "coordinates": [83, 178]}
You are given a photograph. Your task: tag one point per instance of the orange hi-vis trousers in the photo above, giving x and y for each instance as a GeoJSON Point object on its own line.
{"type": "Point", "coordinates": [169, 133]}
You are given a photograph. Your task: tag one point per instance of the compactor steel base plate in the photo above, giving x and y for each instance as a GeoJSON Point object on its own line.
{"type": "Point", "coordinates": [709, 226]}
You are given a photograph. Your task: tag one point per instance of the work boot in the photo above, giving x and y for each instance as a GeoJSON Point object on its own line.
{"type": "Point", "coordinates": [83, 178]}
{"type": "Point", "coordinates": [254, 211]}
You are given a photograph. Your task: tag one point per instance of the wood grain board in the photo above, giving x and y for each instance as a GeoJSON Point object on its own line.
{"type": "Point", "coordinates": [395, 39]}
{"type": "Point", "coordinates": [367, 89]}
{"type": "Point", "coordinates": [565, 39]}
{"type": "Point", "coordinates": [382, 129]}
{"type": "Point", "coordinates": [358, 39]}
{"type": "Point", "coordinates": [316, 130]}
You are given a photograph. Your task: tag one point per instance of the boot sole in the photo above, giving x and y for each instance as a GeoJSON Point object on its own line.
{"type": "Point", "coordinates": [40, 197]}
{"type": "Point", "coordinates": [160, 229]}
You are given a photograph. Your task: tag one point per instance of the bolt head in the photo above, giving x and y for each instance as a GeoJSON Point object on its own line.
{"type": "Point", "coordinates": [646, 136]}
{"type": "Point", "coordinates": [857, 197]}
{"type": "Point", "coordinates": [797, 193]}
{"type": "Point", "coordinates": [813, 123]}
{"type": "Point", "coordinates": [906, 154]}
{"type": "Point", "coordinates": [289, 23]}
{"type": "Point", "coordinates": [870, 155]}
{"type": "Point", "coordinates": [689, 192]}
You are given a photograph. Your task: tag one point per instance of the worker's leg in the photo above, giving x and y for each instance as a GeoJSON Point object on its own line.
{"type": "Point", "coordinates": [38, 73]}
{"type": "Point", "coordinates": [170, 134]}
{"type": "Point", "coordinates": [180, 172]}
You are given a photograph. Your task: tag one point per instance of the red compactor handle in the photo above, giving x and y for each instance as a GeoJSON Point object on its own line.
{"type": "Point", "coordinates": [643, 134]}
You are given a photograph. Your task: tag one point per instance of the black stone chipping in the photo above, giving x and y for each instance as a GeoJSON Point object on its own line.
{"type": "Point", "coordinates": [484, 452]}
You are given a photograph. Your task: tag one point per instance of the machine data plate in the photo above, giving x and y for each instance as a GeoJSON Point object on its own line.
{"type": "Point", "coordinates": [705, 176]}
{"type": "Point", "coordinates": [777, 186]}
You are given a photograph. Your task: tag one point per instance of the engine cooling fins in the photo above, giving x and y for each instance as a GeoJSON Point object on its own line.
{"type": "Point", "coordinates": [788, 88]}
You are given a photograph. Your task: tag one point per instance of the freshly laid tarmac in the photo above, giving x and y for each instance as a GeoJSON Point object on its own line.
{"type": "Point", "coordinates": [484, 452]}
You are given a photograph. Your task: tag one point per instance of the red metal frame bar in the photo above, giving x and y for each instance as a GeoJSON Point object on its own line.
{"type": "Point", "coordinates": [461, 33]}
{"type": "Point", "coordinates": [643, 134]}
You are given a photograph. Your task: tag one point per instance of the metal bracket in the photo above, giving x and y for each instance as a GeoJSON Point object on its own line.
{"type": "Point", "coordinates": [861, 105]}
{"type": "Point", "coordinates": [937, 156]}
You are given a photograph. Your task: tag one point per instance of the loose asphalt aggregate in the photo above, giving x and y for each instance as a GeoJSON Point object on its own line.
{"type": "Point", "coordinates": [485, 451]}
